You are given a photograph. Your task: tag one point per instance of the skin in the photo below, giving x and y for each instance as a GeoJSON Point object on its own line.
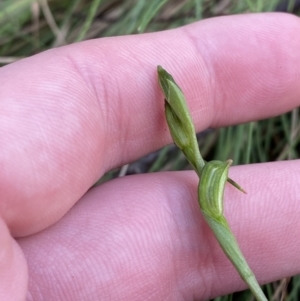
{"type": "Point", "coordinates": [70, 114]}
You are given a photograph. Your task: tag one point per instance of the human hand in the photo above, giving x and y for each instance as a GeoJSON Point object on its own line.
{"type": "Point", "coordinates": [70, 114]}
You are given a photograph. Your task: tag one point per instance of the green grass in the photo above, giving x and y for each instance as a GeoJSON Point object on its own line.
{"type": "Point", "coordinates": [29, 26]}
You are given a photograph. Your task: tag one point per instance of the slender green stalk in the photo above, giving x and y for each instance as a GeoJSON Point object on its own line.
{"type": "Point", "coordinates": [249, 142]}
{"type": "Point", "coordinates": [89, 19]}
{"type": "Point", "coordinates": [150, 13]}
{"type": "Point", "coordinates": [214, 175]}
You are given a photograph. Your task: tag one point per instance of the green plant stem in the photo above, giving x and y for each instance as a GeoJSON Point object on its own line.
{"type": "Point", "coordinates": [90, 17]}
{"type": "Point", "coordinates": [214, 176]}
{"type": "Point", "coordinates": [231, 248]}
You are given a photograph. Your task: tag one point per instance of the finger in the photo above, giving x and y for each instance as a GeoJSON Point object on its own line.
{"type": "Point", "coordinates": [69, 114]}
{"type": "Point", "coordinates": [143, 237]}
{"type": "Point", "coordinates": [232, 69]}
{"type": "Point", "coordinates": [13, 267]}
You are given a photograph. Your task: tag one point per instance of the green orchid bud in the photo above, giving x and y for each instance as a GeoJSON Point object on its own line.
{"type": "Point", "coordinates": [179, 120]}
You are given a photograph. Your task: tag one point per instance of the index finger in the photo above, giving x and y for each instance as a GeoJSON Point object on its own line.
{"type": "Point", "coordinates": [70, 114]}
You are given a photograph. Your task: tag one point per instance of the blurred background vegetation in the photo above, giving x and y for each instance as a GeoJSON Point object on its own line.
{"type": "Point", "coordinates": [31, 26]}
